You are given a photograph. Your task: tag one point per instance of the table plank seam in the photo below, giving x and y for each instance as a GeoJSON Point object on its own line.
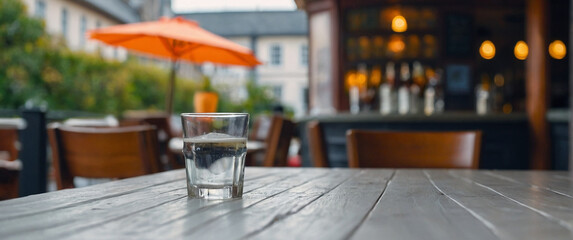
{"type": "Point", "coordinates": [80, 229]}
{"type": "Point", "coordinates": [562, 177]}
{"type": "Point", "coordinates": [280, 217]}
{"type": "Point", "coordinates": [367, 215]}
{"type": "Point", "coordinates": [87, 201]}
{"type": "Point", "coordinates": [120, 219]}
{"type": "Point", "coordinates": [211, 206]}
{"type": "Point", "coordinates": [489, 225]}
{"type": "Point", "coordinates": [538, 211]}
{"type": "Point", "coordinates": [97, 223]}
{"type": "Point", "coordinates": [532, 185]}
{"type": "Point", "coordinates": [261, 200]}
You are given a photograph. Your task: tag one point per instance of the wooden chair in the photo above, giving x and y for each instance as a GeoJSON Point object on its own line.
{"type": "Point", "coordinates": [165, 133]}
{"type": "Point", "coordinates": [278, 141]}
{"type": "Point", "coordinates": [317, 146]}
{"type": "Point", "coordinates": [380, 149]}
{"type": "Point", "coordinates": [10, 166]}
{"type": "Point", "coordinates": [102, 152]}
{"type": "Point", "coordinates": [261, 128]}
{"type": "Point", "coordinates": [9, 142]}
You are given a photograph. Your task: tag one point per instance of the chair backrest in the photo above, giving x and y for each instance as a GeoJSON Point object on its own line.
{"type": "Point", "coordinates": [102, 152]}
{"type": "Point", "coordinates": [261, 128]}
{"type": "Point", "coordinates": [317, 146]}
{"type": "Point", "coordinates": [165, 133]}
{"type": "Point", "coordinates": [278, 141]}
{"type": "Point", "coordinates": [9, 142]}
{"type": "Point", "coordinates": [9, 178]}
{"type": "Point", "coordinates": [385, 149]}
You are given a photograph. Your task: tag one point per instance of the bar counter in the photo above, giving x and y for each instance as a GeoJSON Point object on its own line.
{"type": "Point", "coordinates": [505, 141]}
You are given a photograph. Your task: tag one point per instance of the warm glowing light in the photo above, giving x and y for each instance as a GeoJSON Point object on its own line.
{"type": "Point", "coordinates": [557, 49]}
{"type": "Point", "coordinates": [487, 49]}
{"type": "Point", "coordinates": [507, 108]}
{"type": "Point", "coordinates": [499, 80]}
{"type": "Point", "coordinates": [361, 80]}
{"type": "Point", "coordinates": [399, 24]}
{"type": "Point", "coordinates": [521, 50]}
{"type": "Point", "coordinates": [351, 79]}
{"type": "Point", "coordinates": [375, 76]}
{"type": "Point", "coordinates": [396, 45]}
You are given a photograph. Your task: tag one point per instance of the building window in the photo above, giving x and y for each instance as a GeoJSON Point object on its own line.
{"type": "Point", "coordinates": [304, 55]}
{"type": "Point", "coordinates": [275, 55]}
{"type": "Point", "coordinates": [278, 92]}
{"type": "Point", "coordinates": [64, 23]}
{"type": "Point", "coordinates": [98, 24]}
{"type": "Point", "coordinates": [40, 9]}
{"type": "Point", "coordinates": [83, 29]}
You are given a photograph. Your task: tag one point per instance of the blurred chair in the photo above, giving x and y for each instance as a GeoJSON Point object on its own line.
{"type": "Point", "coordinates": [10, 166]}
{"type": "Point", "coordinates": [317, 146]}
{"type": "Point", "coordinates": [120, 152]}
{"type": "Point", "coordinates": [165, 132]}
{"type": "Point", "coordinates": [385, 149]}
{"type": "Point", "coordinates": [108, 121]}
{"type": "Point", "coordinates": [9, 174]}
{"type": "Point", "coordinates": [278, 141]}
{"type": "Point", "coordinates": [261, 127]}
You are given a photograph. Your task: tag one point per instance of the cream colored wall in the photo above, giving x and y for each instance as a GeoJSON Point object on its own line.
{"type": "Point", "coordinates": [53, 18]}
{"type": "Point", "coordinates": [291, 75]}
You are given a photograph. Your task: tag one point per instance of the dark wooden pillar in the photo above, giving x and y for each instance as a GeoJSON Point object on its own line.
{"type": "Point", "coordinates": [536, 83]}
{"type": "Point", "coordinates": [570, 91]}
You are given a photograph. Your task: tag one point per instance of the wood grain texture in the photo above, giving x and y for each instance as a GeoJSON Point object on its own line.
{"type": "Point", "coordinates": [341, 209]}
{"type": "Point", "coordinates": [504, 217]}
{"type": "Point", "coordinates": [234, 220]}
{"type": "Point", "coordinates": [307, 203]}
{"type": "Point", "coordinates": [156, 219]}
{"type": "Point", "coordinates": [412, 207]}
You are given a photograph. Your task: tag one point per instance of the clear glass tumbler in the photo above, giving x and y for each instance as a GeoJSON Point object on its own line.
{"type": "Point", "coordinates": [215, 146]}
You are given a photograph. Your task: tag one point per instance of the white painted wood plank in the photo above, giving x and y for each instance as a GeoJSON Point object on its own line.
{"type": "Point", "coordinates": [506, 219]}
{"type": "Point", "coordinates": [174, 216]}
{"type": "Point", "coordinates": [69, 197]}
{"type": "Point", "coordinates": [412, 208]}
{"type": "Point", "coordinates": [336, 214]}
{"type": "Point", "coordinates": [552, 181]}
{"type": "Point", "coordinates": [221, 223]}
{"type": "Point", "coordinates": [557, 208]}
{"type": "Point", "coordinates": [83, 215]}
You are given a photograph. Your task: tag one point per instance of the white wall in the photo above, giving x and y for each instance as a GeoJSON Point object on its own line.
{"type": "Point", "coordinates": [291, 74]}
{"type": "Point", "coordinates": [53, 18]}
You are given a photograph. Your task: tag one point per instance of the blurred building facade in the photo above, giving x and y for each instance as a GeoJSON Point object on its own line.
{"type": "Point", "coordinates": [69, 20]}
{"type": "Point", "coordinates": [279, 39]}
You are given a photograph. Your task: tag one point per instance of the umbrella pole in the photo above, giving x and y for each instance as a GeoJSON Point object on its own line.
{"type": "Point", "coordinates": [171, 88]}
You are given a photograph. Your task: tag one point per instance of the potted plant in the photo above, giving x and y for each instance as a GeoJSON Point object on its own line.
{"type": "Point", "coordinates": [206, 99]}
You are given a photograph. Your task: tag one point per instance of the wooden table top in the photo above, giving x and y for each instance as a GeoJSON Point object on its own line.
{"type": "Point", "coordinates": [307, 203]}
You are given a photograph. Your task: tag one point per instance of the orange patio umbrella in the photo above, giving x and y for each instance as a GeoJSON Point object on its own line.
{"type": "Point", "coordinates": [176, 39]}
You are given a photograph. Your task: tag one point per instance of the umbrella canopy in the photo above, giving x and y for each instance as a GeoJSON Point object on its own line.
{"type": "Point", "coordinates": [176, 39]}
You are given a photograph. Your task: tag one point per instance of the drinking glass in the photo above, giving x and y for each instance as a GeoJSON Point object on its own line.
{"type": "Point", "coordinates": [215, 146]}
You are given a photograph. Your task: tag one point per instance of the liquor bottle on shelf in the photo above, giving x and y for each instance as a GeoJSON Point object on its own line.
{"type": "Point", "coordinates": [404, 89]}
{"type": "Point", "coordinates": [365, 95]}
{"type": "Point", "coordinates": [418, 82]}
{"type": "Point", "coordinates": [498, 98]}
{"type": "Point", "coordinates": [483, 95]}
{"type": "Point", "coordinates": [386, 90]}
{"type": "Point", "coordinates": [433, 99]}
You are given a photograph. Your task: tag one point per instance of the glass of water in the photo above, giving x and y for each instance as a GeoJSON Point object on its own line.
{"type": "Point", "coordinates": [215, 146]}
